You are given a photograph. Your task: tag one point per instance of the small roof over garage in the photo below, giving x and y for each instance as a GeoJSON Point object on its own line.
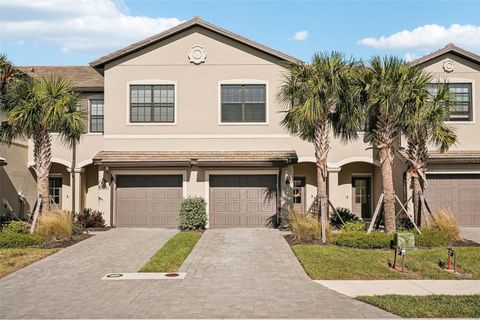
{"type": "Point", "coordinates": [198, 158]}
{"type": "Point", "coordinates": [468, 156]}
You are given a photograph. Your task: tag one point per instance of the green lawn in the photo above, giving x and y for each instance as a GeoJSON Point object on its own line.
{"type": "Point", "coordinates": [341, 263]}
{"type": "Point", "coordinates": [12, 259]}
{"type": "Point", "coordinates": [434, 306]}
{"type": "Point", "coordinates": [171, 256]}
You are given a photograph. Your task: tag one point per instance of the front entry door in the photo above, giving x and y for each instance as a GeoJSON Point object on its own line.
{"type": "Point", "coordinates": [299, 194]}
{"type": "Point", "coordinates": [361, 195]}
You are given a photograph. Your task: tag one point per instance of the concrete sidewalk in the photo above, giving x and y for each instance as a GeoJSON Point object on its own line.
{"type": "Point", "coordinates": [354, 288]}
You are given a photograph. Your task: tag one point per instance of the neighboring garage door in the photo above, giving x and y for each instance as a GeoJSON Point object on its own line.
{"type": "Point", "coordinates": [148, 200]}
{"type": "Point", "coordinates": [458, 193]}
{"type": "Point", "coordinates": [242, 200]}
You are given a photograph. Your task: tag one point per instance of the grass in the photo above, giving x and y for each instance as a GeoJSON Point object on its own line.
{"type": "Point", "coordinates": [341, 263]}
{"type": "Point", "coordinates": [434, 306]}
{"type": "Point", "coordinates": [12, 259]}
{"type": "Point", "coordinates": [171, 256]}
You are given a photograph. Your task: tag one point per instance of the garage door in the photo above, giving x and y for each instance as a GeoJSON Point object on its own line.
{"type": "Point", "coordinates": [242, 200]}
{"type": "Point", "coordinates": [458, 193]}
{"type": "Point", "coordinates": [148, 200]}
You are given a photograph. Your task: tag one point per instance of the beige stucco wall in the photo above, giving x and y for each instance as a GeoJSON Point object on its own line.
{"type": "Point", "coordinates": [464, 71]}
{"type": "Point", "coordinates": [16, 178]}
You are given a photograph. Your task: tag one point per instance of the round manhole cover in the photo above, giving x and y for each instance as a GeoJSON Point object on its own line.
{"type": "Point", "coordinates": [115, 275]}
{"type": "Point", "coordinates": [172, 275]}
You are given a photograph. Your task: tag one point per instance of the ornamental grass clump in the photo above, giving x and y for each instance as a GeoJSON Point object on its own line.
{"type": "Point", "coordinates": [446, 222]}
{"type": "Point", "coordinates": [55, 225]}
{"type": "Point", "coordinates": [304, 227]}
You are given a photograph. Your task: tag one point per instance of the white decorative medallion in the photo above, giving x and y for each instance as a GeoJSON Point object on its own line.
{"type": "Point", "coordinates": [197, 54]}
{"type": "Point", "coordinates": [448, 65]}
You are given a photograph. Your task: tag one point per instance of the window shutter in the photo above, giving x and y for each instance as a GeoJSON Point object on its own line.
{"type": "Point", "coordinates": [83, 106]}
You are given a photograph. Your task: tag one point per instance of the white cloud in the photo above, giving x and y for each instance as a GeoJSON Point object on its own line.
{"type": "Point", "coordinates": [410, 56]}
{"type": "Point", "coordinates": [94, 26]}
{"type": "Point", "coordinates": [430, 36]}
{"type": "Point", "coordinates": [301, 35]}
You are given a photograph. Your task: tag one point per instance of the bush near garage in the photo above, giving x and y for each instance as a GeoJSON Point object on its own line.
{"type": "Point", "coordinates": [55, 225]}
{"type": "Point", "coordinates": [193, 214]}
{"type": "Point", "coordinates": [446, 222]}
{"type": "Point", "coordinates": [15, 236]}
{"type": "Point", "coordinates": [90, 218]}
{"type": "Point", "coordinates": [431, 238]}
{"type": "Point", "coordinates": [354, 226]}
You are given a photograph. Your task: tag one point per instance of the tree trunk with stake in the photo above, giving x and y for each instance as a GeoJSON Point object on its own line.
{"type": "Point", "coordinates": [322, 142]}
{"type": "Point", "coordinates": [42, 154]}
{"type": "Point", "coordinates": [386, 164]}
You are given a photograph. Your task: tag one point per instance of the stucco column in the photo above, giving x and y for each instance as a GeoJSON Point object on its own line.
{"type": "Point", "coordinates": [333, 192]}
{"type": "Point", "coordinates": [78, 189]}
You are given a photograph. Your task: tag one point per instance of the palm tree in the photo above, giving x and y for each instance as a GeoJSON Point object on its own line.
{"type": "Point", "coordinates": [33, 108]}
{"type": "Point", "coordinates": [425, 125]}
{"type": "Point", "coordinates": [387, 85]}
{"type": "Point", "coordinates": [319, 97]}
{"type": "Point", "coordinates": [8, 75]}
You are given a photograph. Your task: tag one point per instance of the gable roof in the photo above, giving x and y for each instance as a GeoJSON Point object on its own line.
{"type": "Point", "coordinates": [83, 78]}
{"type": "Point", "coordinates": [196, 21]}
{"type": "Point", "coordinates": [449, 48]}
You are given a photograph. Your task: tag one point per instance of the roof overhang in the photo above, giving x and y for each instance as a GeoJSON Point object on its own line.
{"type": "Point", "coordinates": [118, 159]}
{"type": "Point", "coordinates": [3, 162]}
{"type": "Point", "coordinates": [449, 48]}
{"type": "Point", "coordinates": [195, 22]}
{"type": "Point", "coordinates": [467, 157]}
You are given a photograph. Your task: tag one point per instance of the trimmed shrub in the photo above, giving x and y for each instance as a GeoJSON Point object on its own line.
{"type": "Point", "coordinates": [354, 226]}
{"type": "Point", "coordinates": [15, 236]}
{"type": "Point", "coordinates": [193, 213]}
{"type": "Point", "coordinates": [447, 223]}
{"type": "Point", "coordinates": [304, 227]}
{"type": "Point", "coordinates": [90, 218]}
{"type": "Point", "coordinates": [356, 239]}
{"type": "Point", "coordinates": [431, 238]}
{"type": "Point", "coordinates": [345, 214]}
{"type": "Point", "coordinates": [55, 225]}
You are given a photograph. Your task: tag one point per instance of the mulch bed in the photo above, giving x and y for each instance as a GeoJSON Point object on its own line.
{"type": "Point", "coordinates": [294, 241]}
{"type": "Point", "coordinates": [65, 242]}
{"type": "Point", "coordinates": [98, 229]}
{"type": "Point", "coordinates": [464, 243]}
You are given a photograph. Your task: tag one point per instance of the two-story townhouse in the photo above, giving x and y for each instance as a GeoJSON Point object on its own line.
{"type": "Point", "coordinates": [193, 111]}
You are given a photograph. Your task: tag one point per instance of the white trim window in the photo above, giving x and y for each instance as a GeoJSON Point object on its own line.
{"type": "Point", "coordinates": [462, 110]}
{"type": "Point", "coordinates": [152, 103]}
{"type": "Point", "coordinates": [243, 103]}
{"type": "Point", "coordinates": [96, 115]}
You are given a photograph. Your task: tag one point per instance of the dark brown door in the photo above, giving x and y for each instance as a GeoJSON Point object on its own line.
{"type": "Point", "coordinates": [456, 193]}
{"type": "Point", "coordinates": [299, 194]}
{"type": "Point", "coordinates": [148, 200]}
{"type": "Point", "coordinates": [242, 200]}
{"type": "Point", "coordinates": [361, 196]}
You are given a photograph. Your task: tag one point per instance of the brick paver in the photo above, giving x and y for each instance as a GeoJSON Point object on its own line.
{"type": "Point", "coordinates": [232, 273]}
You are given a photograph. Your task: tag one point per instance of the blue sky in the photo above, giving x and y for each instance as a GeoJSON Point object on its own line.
{"type": "Point", "coordinates": [49, 32]}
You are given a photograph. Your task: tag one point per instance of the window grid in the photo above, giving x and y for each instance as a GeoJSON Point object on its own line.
{"type": "Point", "coordinates": [55, 187]}
{"type": "Point", "coordinates": [152, 103]}
{"type": "Point", "coordinates": [96, 115]}
{"type": "Point", "coordinates": [462, 92]}
{"type": "Point", "coordinates": [243, 103]}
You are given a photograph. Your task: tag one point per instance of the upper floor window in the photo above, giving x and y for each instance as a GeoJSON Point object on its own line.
{"type": "Point", "coordinates": [152, 103]}
{"type": "Point", "coordinates": [243, 103]}
{"type": "Point", "coordinates": [462, 110]}
{"type": "Point", "coordinates": [96, 115]}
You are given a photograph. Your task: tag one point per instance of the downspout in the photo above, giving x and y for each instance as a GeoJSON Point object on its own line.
{"type": "Point", "coordinates": [72, 172]}
{"type": "Point", "coordinates": [279, 196]}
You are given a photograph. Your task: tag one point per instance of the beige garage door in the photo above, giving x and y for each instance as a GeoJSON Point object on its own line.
{"type": "Point", "coordinates": [242, 200]}
{"type": "Point", "coordinates": [148, 200]}
{"type": "Point", "coordinates": [459, 193]}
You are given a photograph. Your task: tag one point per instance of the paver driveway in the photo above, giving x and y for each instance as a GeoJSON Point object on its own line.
{"type": "Point", "coordinates": [233, 273]}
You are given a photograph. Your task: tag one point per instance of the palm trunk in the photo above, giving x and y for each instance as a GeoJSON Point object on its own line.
{"type": "Point", "coordinates": [419, 214]}
{"type": "Point", "coordinates": [322, 145]}
{"type": "Point", "coordinates": [386, 164]}
{"type": "Point", "coordinates": [42, 154]}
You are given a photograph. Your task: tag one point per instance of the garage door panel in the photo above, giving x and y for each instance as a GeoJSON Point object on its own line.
{"type": "Point", "coordinates": [148, 201]}
{"type": "Point", "coordinates": [242, 200]}
{"type": "Point", "coordinates": [457, 193]}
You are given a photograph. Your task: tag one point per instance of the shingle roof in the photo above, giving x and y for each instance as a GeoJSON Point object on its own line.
{"type": "Point", "coordinates": [449, 48]}
{"type": "Point", "coordinates": [470, 156]}
{"type": "Point", "coordinates": [200, 158]}
{"type": "Point", "coordinates": [196, 21]}
{"type": "Point", "coordinates": [84, 78]}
